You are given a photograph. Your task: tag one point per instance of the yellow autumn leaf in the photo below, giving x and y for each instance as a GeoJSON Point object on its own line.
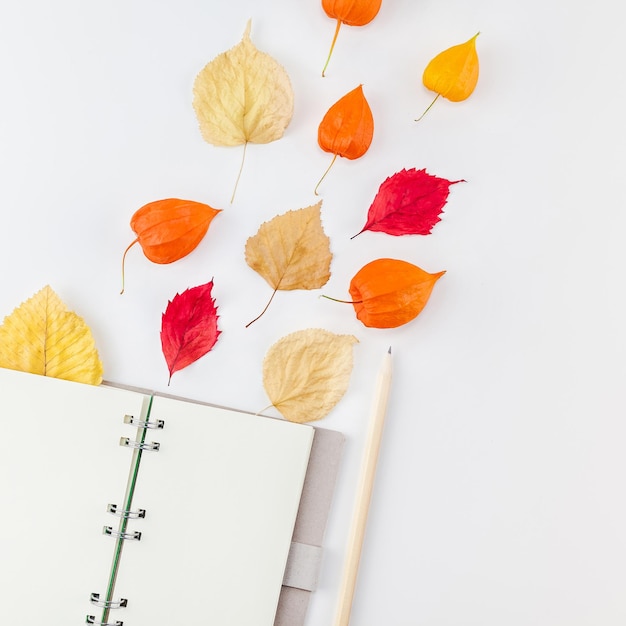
{"type": "Point", "coordinates": [243, 96]}
{"type": "Point", "coordinates": [291, 251]}
{"type": "Point", "coordinates": [307, 372]}
{"type": "Point", "coordinates": [42, 336]}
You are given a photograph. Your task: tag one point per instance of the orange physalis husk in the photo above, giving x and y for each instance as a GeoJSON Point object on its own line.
{"type": "Point", "coordinates": [387, 293]}
{"type": "Point", "coordinates": [453, 73]}
{"type": "Point", "coordinates": [167, 230]}
{"type": "Point", "coordinates": [347, 128]}
{"type": "Point", "coordinates": [350, 12]}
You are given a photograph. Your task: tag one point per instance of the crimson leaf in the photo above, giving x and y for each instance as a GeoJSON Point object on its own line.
{"type": "Point", "coordinates": [408, 203]}
{"type": "Point", "coordinates": [189, 327]}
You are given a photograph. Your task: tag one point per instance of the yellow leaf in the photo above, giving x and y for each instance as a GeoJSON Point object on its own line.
{"type": "Point", "coordinates": [42, 336]}
{"type": "Point", "coordinates": [291, 251]}
{"type": "Point", "coordinates": [307, 372]}
{"type": "Point", "coordinates": [243, 96]}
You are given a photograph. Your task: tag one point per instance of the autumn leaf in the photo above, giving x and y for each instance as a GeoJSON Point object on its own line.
{"type": "Point", "coordinates": [408, 203]}
{"type": "Point", "coordinates": [387, 293]}
{"type": "Point", "coordinates": [291, 251]}
{"type": "Point", "coordinates": [350, 12]}
{"type": "Point", "coordinates": [347, 128]}
{"type": "Point", "coordinates": [42, 336]}
{"type": "Point", "coordinates": [168, 230]}
{"type": "Point", "coordinates": [307, 372]}
{"type": "Point", "coordinates": [189, 327]}
{"type": "Point", "coordinates": [243, 96]}
{"type": "Point", "coordinates": [453, 73]}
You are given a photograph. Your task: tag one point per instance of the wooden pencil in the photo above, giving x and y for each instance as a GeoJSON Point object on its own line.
{"type": "Point", "coordinates": [364, 493]}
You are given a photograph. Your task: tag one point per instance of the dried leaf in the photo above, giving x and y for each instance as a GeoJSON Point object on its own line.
{"type": "Point", "coordinates": [408, 203]}
{"type": "Point", "coordinates": [307, 372]}
{"type": "Point", "coordinates": [347, 129]}
{"type": "Point", "coordinates": [168, 230]}
{"type": "Point", "coordinates": [43, 337]}
{"type": "Point", "coordinates": [291, 251]}
{"type": "Point", "coordinates": [350, 12]}
{"type": "Point", "coordinates": [189, 327]}
{"type": "Point", "coordinates": [243, 96]}
{"type": "Point", "coordinates": [387, 293]}
{"type": "Point", "coordinates": [453, 73]}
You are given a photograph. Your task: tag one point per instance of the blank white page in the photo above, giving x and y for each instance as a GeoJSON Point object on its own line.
{"type": "Point", "coordinates": [60, 466]}
{"type": "Point", "coordinates": [221, 498]}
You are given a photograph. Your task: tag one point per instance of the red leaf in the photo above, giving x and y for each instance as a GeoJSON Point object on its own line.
{"type": "Point", "coordinates": [189, 327]}
{"type": "Point", "coordinates": [408, 203]}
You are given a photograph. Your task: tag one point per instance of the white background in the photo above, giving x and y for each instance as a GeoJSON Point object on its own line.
{"type": "Point", "coordinates": [500, 491]}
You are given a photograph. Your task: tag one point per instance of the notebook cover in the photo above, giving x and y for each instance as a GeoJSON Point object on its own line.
{"type": "Point", "coordinates": [315, 503]}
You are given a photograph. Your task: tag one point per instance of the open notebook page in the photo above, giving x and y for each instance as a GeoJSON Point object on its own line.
{"type": "Point", "coordinates": [220, 495]}
{"type": "Point", "coordinates": [60, 465]}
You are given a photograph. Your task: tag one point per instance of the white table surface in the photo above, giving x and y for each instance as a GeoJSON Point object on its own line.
{"type": "Point", "coordinates": [499, 497]}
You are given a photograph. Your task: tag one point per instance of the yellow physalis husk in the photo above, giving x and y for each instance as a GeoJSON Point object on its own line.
{"type": "Point", "coordinates": [42, 336]}
{"type": "Point", "coordinates": [453, 73]}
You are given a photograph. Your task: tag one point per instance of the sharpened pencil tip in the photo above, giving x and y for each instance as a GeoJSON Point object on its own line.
{"type": "Point", "coordinates": [389, 351]}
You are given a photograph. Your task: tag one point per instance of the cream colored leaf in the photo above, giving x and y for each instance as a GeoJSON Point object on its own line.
{"type": "Point", "coordinates": [243, 95]}
{"type": "Point", "coordinates": [307, 372]}
{"type": "Point", "coordinates": [291, 251]}
{"type": "Point", "coordinates": [42, 336]}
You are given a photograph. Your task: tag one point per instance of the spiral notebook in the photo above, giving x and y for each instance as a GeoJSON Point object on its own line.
{"type": "Point", "coordinates": [124, 507]}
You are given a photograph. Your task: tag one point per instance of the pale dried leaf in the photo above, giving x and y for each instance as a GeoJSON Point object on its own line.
{"type": "Point", "coordinates": [291, 251]}
{"type": "Point", "coordinates": [243, 95]}
{"type": "Point", "coordinates": [307, 372]}
{"type": "Point", "coordinates": [43, 337]}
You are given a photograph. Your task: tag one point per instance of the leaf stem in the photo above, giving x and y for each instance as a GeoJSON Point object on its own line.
{"type": "Point", "coordinates": [342, 301]}
{"type": "Point", "coordinates": [428, 108]}
{"type": "Point", "coordinates": [243, 158]}
{"type": "Point", "coordinates": [263, 311]}
{"type": "Point", "coordinates": [269, 406]}
{"type": "Point", "coordinates": [123, 259]}
{"type": "Point", "coordinates": [324, 175]}
{"type": "Point", "coordinates": [332, 46]}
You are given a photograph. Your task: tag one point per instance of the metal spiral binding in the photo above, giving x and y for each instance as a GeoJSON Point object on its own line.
{"type": "Point", "coordinates": [138, 514]}
{"type": "Point", "coordinates": [135, 535]}
{"type": "Point", "coordinates": [150, 446]}
{"type": "Point", "coordinates": [125, 514]}
{"type": "Point", "coordinates": [91, 619]}
{"type": "Point", "coordinates": [129, 419]}
{"type": "Point", "coordinates": [107, 604]}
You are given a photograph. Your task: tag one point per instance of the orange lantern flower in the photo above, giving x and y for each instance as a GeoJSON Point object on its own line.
{"type": "Point", "coordinates": [347, 129]}
{"type": "Point", "coordinates": [387, 293]}
{"type": "Point", "coordinates": [168, 230]}
{"type": "Point", "coordinates": [350, 12]}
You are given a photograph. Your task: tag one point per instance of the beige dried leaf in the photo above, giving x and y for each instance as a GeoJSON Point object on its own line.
{"type": "Point", "coordinates": [291, 251]}
{"type": "Point", "coordinates": [306, 373]}
{"type": "Point", "coordinates": [243, 95]}
{"type": "Point", "coordinates": [42, 336]}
